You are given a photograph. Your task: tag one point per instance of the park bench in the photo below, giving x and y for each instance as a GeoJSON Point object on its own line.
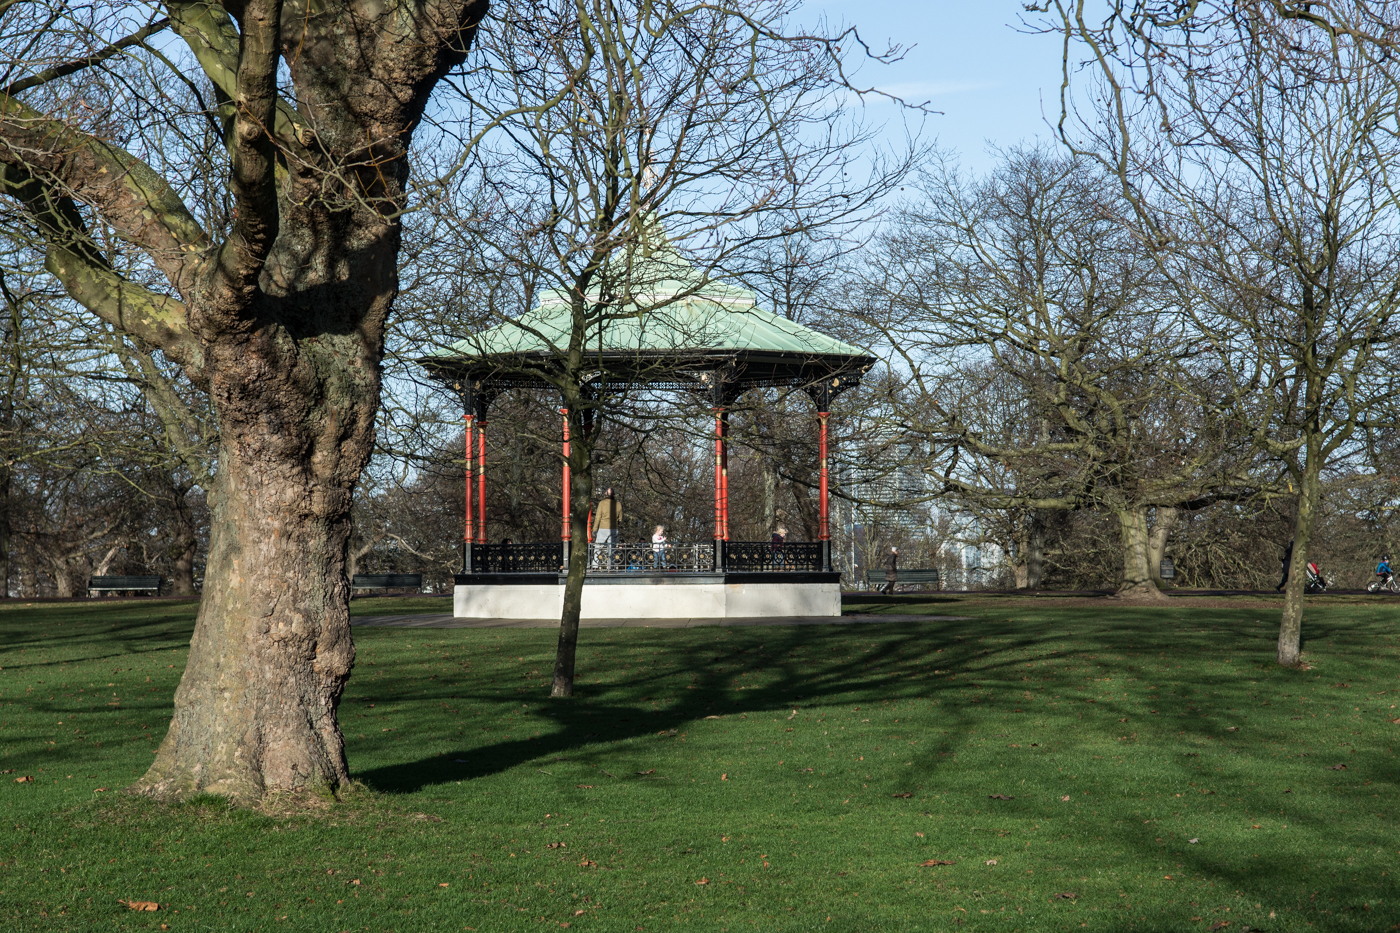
{"type": "Point", "coordinates": [387, 581]}
{"type": "Point", "coordinates": [923, 579]}
{"type": "Point", "coordinates": [124, 584]}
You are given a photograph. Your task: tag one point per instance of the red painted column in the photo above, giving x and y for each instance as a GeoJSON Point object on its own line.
{"type": "Point", "coordinates": [467, 532]}
{"type": "Point", "coordinates": [481, 481]}
{"type": "Point", "coordinates": [824, 503]}
{"type": "Point", "coordinates": [719, 475]}
{"type": "Point", "coordinates": [724, 458]}
{"type": "Point", "coordinates": [568, 529]}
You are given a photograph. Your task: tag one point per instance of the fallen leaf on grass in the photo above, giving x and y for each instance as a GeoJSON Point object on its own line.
{"type": "Point", "coordinates": [1064, 895]}
{"type": "Point", "coordinates": [579, 913]}
{"type": "Point", "coordinates": [588, 863]}
{"type": "Point", "coordinates": [991, 861]}
{"type": "Point", "coordinates": [1193, 841]}
{"type": "Point", "coordinates": [1065, 798]}
{"type": "Point", "coordinates": [140, 905]}
{"type": "Point", "coordinates": [1000, 797]}
{"type": "Point", "coordinates": [1336, 767]}
{"type": "Point", "coordinates": [805, 770]}
{"type": "Point", "coordinates": [937, 861]}
{"type": "Point", "coordinates": [714, 717]}
{"type": "Point", "coordinates": [1233, 729]}
{"type": "Point", "coordinates": [585, 786]}
{"type": "Point", "coordinates": [442, 884]}
{"type": "Point", "coordinates": [557, 845]}
{"type": "Point", "coordinates": [648, 771]}
{"type": "Point", "coordinates": [8, 771]}
{"type": "Point", "coordinates": [724, 777]}
{"type": "Point", "coordinates": [100, 790]}
{"type": "Point", "coordinates": [905, 794]}
{"type": "Point", "coordinates": [354, 881]}
{"type": "Point", "coordinates": [24, 780]}
{"type": "Point", "coordinates": [703, 881]}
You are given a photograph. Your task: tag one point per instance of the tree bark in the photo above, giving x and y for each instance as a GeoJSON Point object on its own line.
{"type": "Point", "coordinates": [1290, 632]}
{"type": "Point", "coordinates": [271, 653]}
{"type": "Point", "coordinates": [1035, 550]}
{"type": "Point", "coordinates": [580, 498]}
{"type": "Point", "coordinates": [186, 544]}
{"type": "Point", "coordinates": [1136, 584]}
{"type": "Point", "coordinates": [1157, 542]}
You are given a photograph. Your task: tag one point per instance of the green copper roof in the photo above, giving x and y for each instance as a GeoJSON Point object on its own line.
{"type": "Point", "coordinates": [668, 310]}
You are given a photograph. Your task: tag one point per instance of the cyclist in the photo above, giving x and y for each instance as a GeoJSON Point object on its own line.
{"type": "Point", "coordinates": [1383, 569]}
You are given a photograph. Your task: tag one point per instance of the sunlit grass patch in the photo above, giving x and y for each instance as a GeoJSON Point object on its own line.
{"type": "Point", "coordinates": [1062, 759]}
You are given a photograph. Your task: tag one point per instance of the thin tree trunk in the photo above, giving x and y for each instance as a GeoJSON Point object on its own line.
{"type": "Point", "coordinates": [581, 496]}
{"type": "Point", "coordinates": [1137, 582]}
{"type": "Point", "coordinates": [1290, 632]}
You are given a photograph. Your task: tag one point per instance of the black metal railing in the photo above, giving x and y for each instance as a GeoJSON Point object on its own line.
{"type": "Point", "coordinates": [643, 557]}
{"type": "Point", "coordinates": [761, 556]}
{"type": "Point", "coordinates": [518, 558]}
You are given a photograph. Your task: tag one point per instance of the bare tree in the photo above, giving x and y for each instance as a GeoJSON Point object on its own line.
{"type": "Point", "coordinates": [1257, 143]}
{"type": "Point", "coordinates": [1042, 354]}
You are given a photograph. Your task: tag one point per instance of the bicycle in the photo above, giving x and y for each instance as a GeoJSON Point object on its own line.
{"type": "Point", "coordinates": [1386, 584]}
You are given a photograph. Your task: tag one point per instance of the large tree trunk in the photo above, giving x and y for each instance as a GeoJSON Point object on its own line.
{"type": "Point", "coordinates": [1035, 550]}
{"type": "Point", "coordinates": [256, 709]}
{"type": "Point", "coordinates": [1157, 542]}
{"type": "Point", "coordinates": [1136, 584]}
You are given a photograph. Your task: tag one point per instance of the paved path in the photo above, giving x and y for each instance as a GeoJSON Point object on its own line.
{"type": "Point", "coordinates": [446, 620]}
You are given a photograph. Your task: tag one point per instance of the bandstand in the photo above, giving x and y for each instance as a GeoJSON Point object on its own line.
{"type": "Point", "coordinates": [711, 341]}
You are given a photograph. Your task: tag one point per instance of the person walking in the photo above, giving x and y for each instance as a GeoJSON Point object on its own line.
{"type": "Point", "coordinates": [891, 569]}
{"type": "Point", "coordinates": [607, 519]}
{"type": "Point", "coordinates": [658, 547]}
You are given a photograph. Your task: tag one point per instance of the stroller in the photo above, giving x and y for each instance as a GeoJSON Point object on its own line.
{"type": "Point", "coordinates": [1317, 583]}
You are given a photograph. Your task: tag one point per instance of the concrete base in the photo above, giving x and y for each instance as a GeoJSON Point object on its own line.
{"type": "Point", "coordinates": [648, 601]}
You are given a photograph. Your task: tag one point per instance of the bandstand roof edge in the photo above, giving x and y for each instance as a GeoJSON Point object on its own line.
{"type": "Point", "coordinates": [675, 329]}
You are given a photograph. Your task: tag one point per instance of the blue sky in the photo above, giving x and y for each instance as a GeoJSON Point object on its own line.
{"type": "Point", "coordinates": [993, 83]}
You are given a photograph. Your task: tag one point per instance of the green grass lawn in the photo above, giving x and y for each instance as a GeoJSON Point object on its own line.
{"type": "Point", "coordinates": [1106, 768]}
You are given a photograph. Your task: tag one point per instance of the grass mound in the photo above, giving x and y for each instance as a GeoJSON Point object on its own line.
{"type": "Point", "coordinates": [1045, 766]}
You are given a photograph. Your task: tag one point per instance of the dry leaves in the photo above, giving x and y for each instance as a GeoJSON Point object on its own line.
{"type": "Point", "coordinates": [1064, 896]}
{"type": "Point", "coordinates": [937, 861]}
{"type": "Point", "coordinates": [905, 794]}
{"type": "Point", "coordinates": [1000, 797]}
{"type": "Point", "coordinates": [587, 863]}
{"type": "Point", "coordinates": [703, 881]}
{"type": "Point", "coordinates": [991, 861]}
{"type": "Point", "coordinates": [24, 780]}
{"type": "Point", "coordinates": [140, 905]}
{"type": "Point", "coordinates": [805, 770]}
{"type": "Point", "coordinates": [99, 790]}
{"type": "Point", "coordinates": [585, 786]}
{"type": "Point", "coordinates": [442, 884]}
{"type": "Point", "coordinates": [724, 777]}
{"type": "Point", "coordinates": [1065, 798]}
{"type": "Point", "coordinates": [557, 845]}
{"type": "Point", "coordinates": [648, 771]}
{"type": "Point", "coordinates": [1337, 768]}
{"type": "Point", "coordinates": [1193, 841]}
